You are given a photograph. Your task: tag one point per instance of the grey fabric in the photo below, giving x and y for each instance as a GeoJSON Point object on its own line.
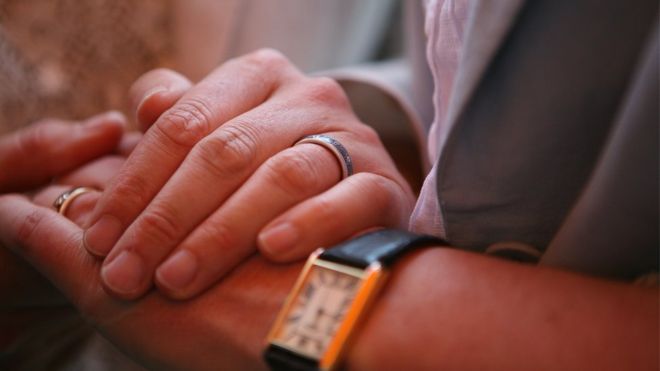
{"type": "Point", "coordinates": [613, 229]}
{"type": "Point", "coordinates": [528, 132]}
{"type": "Point", "coordinates": [489, 24]}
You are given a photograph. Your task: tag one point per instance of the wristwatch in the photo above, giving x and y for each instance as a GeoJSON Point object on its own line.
{"type": "Point", "coordinates": [330, 296]}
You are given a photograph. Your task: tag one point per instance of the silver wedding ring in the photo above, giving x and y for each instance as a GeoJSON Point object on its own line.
{"type": "Point", "coordinates": [63, 201]}
{"type": "Point", "coordinates": [335, 147]}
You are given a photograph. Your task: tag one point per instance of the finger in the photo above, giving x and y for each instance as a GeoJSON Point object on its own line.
{"type": "Point", "coordinates": [227, 237]}
{"type": "Point", "coordinates": [154, 93]}
{"type": "Point", "coordinates": [96, 174]}
{"type": "Point", "coordinates": [78, 210]}
{"type": "Point", "coordinates": [33, 155]}
{"type": "Point", "coordinates": [223, 160]}
{"type": "Point", "coordinates": [360, 202]}
{"type": "Point", "coordinates": [232, 89]}
{"type": "Point", "coordinates": [128, 143]}
{"type": "Point", "coordinates": [50, 242]}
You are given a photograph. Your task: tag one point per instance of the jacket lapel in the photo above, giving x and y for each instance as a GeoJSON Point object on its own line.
{"type": "Point", "coordinates": [490, 22]}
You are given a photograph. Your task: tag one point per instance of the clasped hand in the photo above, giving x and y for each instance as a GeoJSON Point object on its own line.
{"type": "Point", "coordinates": [216, 176]}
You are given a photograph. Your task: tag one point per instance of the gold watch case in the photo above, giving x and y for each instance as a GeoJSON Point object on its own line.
{"type": "Point", "coordinates": [325, 305]}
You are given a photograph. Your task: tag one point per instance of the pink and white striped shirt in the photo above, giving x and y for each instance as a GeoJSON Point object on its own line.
{"type": "Point", "coordinates": [444, 25]}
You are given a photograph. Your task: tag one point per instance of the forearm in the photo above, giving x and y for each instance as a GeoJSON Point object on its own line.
{"type": "Point", "coordinates": [442, 309]}
{"type": "Point", "coordinates": [457, 310]}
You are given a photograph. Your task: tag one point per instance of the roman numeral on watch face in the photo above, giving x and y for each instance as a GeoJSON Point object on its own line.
{"type": "Point", "coordinates": [318, 310]}
{"type": "Point", "coordinates": [333, 293]}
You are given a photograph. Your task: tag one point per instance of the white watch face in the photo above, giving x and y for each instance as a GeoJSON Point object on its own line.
{"type": "Point", "coordinates": [318, 310]}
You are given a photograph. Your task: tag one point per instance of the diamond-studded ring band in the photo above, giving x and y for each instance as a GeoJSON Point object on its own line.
{"type": "Point", "coordinates": [335, 147]}
{"type": "Point", "coordinates": [63, 201]}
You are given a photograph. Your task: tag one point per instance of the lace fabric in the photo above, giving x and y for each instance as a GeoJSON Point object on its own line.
{"type": "Point", "coordinates": [72, 59]}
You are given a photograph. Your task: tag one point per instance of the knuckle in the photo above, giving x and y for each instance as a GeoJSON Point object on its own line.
{"type": "Point", "coordinates": [267, 58]}
{"type": "Point", "coordinates": [229, 151]}
{"type": "Point", "coordinates": [326, 209]}
{"type": "Point", "coordinates": [294, 172]}
{"type": "Point", "coordinates": [386, 195]}
{"type": "Point", "coordinates": [32, 230]}
{"type": "Point", "coordinates": [27, 226]}
{"type": "Point", "coordinates": [187, 122]}
{"type": "Point", "coordinates": [160, 223]}
{"type": "Point", "coordinates": [377, 187]}
{"type": "Point", "coordinates": [220, 236]}
{"type": "Point", "coordinates": [130, 191]}
{"type": "Point", "coordinates": [35, 139]}
{"type": "Point", "coordinates": [326, 91]}
{"type": "Point", "coordinates": [367, 134]}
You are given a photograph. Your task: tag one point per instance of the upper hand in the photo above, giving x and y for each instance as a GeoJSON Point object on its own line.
{"type": "Point", "coordinates": [217, 169]}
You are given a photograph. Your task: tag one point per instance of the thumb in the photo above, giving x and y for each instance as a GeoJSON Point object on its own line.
{"type": "Point", "coordinates": [31, 156]}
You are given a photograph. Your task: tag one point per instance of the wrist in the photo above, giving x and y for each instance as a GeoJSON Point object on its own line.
{"type": "Point", "coordinates": [332, 296]}
{"type": "Point", "coordinates": [377, 343]}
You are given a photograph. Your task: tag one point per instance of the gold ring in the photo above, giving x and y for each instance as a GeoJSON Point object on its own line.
{"type": "Point", "coordinates": [64, 200]}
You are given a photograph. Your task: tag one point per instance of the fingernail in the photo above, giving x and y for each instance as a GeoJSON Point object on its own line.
{"type": "Point", "coordinates": [178, 271]}
{"type": "Point", "coordinates": [154, 91]}
{"type": "Point", "coordinates": [124, 274]}
{"type": "Point", "coordinates": [279, 238]}
{"type": "Point", "coordinates": [151, 93]}
{"type": "Point", "coordinates": [102, 235]}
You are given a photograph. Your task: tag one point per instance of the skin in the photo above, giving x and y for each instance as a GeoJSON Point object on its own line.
{"type": "Point", "coordinates": [465, 311]}
{"type": "Point", "coordinates": [57, 149]}
{"type": "Point", "coordinates": [34, 156]}
{"type": "Point", "coordinates": [63, 153]}
{"type": "Point", "coordinates": [479, 313]}
{"type": "Point", "coordinates": [219, 144]}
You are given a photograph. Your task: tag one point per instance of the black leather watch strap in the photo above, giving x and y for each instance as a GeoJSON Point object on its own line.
{"type": "Point", "coordinates": [383, 246]}
{"type": "Point", "coordinates": [280, 359]}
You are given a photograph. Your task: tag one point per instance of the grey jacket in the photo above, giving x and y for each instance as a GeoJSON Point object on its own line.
{"type": "Point", "coordinates": [554, 134]}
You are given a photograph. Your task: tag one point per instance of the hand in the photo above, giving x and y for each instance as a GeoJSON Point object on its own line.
{"type": "Point", "coordinates": [486, 304]}
{"type": "Point", "coordinates": [30, 158]}
{"type": "Point", "coordinates": [217, 169]}
{"type": "Point", "coordinates": [223, 328]}
{"type": "Point", "coordinates": [33, 156]}
{"type": "Point", "coordinates": [96, 174]}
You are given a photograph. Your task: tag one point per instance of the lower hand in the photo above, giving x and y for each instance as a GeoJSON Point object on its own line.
{"type": "Point", "coordinates": [223, 328]}
{"type": "Point", "coordinates": [34, 156]}
{"type": "Point", "coordinates": [49, 151]}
